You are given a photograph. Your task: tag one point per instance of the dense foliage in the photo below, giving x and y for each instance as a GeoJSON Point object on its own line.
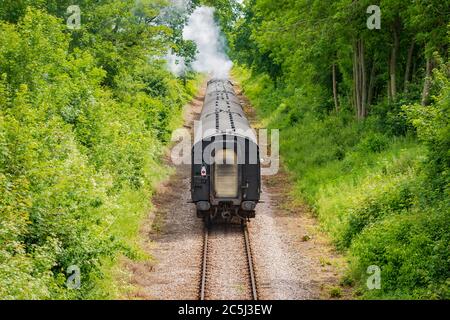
{"type": "Point", "coordinates": [84, 116]}
{"type": "Point", "coordinates": [364, 119]}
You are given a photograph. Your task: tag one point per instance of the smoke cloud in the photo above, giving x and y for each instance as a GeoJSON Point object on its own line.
{"type": "Point", "coordinates": [175, 64]}
{"type": "Point", "coordinates": [203, 30]}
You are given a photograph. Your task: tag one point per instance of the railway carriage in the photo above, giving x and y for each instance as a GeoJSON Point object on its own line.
{"type": "Point", "coordinates": [226, 173]}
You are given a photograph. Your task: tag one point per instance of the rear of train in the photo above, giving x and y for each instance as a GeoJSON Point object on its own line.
{"type": "Point", "coordinates": [226, 173]}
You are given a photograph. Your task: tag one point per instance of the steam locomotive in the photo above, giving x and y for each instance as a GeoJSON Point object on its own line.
{"type": "Point", "coordinates": [226, 171]}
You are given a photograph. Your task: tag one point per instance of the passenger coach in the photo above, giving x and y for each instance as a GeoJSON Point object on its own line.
{"type": "Point", "coordinates": [226, 173]}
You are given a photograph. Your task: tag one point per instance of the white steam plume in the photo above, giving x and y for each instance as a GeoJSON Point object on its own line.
{"type": "Point", "coordinates": [175, 63]}
{"type": "Point", "coordinates": [203, 30]}
{"type": "Point", "coordinates": [174, 12]}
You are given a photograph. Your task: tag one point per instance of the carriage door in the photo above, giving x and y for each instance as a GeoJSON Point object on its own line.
{"type": "Point", "coordinates": [226, 174]}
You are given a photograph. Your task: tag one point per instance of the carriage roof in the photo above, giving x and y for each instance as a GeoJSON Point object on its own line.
{"type": "Point", "coordinates": [222, 114]}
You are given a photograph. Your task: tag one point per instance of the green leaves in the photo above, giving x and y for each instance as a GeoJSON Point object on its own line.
{"type": "Point", "coordinates": [433, 128]}
{"type": "Point", "coordinates": [381, 193]}
{"type": "Point", "coordinates": [84, 116]}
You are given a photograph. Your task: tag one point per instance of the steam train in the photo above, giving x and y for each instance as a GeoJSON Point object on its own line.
{"type": "Point", "coordinates": [226, 171]}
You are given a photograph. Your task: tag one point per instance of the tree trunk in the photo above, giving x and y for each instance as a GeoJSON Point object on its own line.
{"type": "Point", "coordinates": [359, 79]}
{"type": "Point", "coordinates": [371, 84]}
{"type": "Point", "coordinates": [427, 83]}
{"type": "Point", "coordinates": [363, 112]}
{"type": "Point", "coordinates": [389, 92]}
{"type": "Point", "coordinates": [393, 62]}
{"type": "Point", "coordinates": [356, 78]}
{"type": "Point", "coordinates": [408, 65]}
{"type": "Point", "coordinates": [392, 78]}
{"type": "Point", "coordinates": [335, 93]}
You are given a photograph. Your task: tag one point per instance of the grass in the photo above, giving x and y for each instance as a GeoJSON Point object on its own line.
{"type": "Point", "coordinates": [366, 188]}
{"type": "Point", "coordinates": [131, 211]}
{"type": "Point", "coordinates": [335, 292]}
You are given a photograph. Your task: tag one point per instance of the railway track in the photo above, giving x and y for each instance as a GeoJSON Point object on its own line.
{"type": "Point", "coordinates": [238, 238]}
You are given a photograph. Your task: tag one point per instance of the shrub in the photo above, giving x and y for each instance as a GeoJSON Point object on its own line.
{"type": "Point", "coordinates": [412, 252]}
{"type": "Point", "coordinates": [78, 159]}
{"type": "Point", "coordinates": [373, 142]}
{"type": "Point", "coordinates": [381, 196]}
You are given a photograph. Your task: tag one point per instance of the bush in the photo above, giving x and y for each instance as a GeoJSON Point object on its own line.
{"type": "Point", "coordinates": [381, 196]}
{"type": "Point", "coordinates": [433, 128]}
{"type": "Point", "coordinates": [373, 142]}
{"type": "Point", "coordinates": [393, 197]}
{"type": "Point", "coordinates": [78, 159]}
{"type": "Point", "coordinates": [412, 252]}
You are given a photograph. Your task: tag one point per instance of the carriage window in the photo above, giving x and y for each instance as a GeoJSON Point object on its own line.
{"type": "Point", "coordinates": [226, 174]}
